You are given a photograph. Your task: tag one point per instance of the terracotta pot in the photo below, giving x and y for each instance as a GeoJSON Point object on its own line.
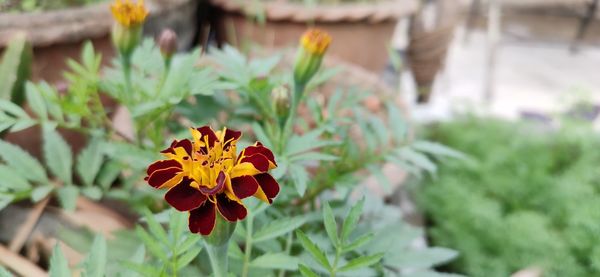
{"type": "Point", "coordinates": [59, 35]}
{"type": "Point", "coordinates": [361, 32]}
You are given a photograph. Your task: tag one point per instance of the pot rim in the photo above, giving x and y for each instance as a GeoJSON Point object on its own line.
{"type": "Point", "coordinates": [283, 11]}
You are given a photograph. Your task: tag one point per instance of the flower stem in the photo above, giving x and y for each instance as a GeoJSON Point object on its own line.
{"type": "Point", "coordinates": [218, 258]}
{"type": "Point", "coordinates": [248, 246]}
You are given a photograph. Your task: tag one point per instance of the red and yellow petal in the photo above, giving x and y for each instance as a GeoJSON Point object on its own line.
{"type": "Point", "coordinates": [183, 197]}
{"type": "Point", "coordinates": [230, 209]}
{"type": "Point", "coordinates": [164, 164]}
{"type": "Point", "coordinates": [218, 186]}
{"type": "Point", "coordinates": [258, 148]}
{"type": "Point", "coordinates": [202, 219]}
{"type": "Point", "coordinates": [259, 161]}
{"type": "Point", "coordinates": [231, 136]}
{"type": "Point", "coordinates": [211, 137]}
{"type": "Point", "coordinates": [244, 186]}
{"type": "Point", "coordinates": [244, 169]}
{"type": "Point", "coordinates": [268, 187]}
{"type": "Point", "coordinates": [167, 177]}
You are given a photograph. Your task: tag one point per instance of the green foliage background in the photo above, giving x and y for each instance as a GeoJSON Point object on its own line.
{"type": "Point", "coordinates": [530, 197]}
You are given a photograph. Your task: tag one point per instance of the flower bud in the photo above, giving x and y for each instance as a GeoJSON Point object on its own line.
{"type": "Point", "coordinates": [280, 97]}
{"type": "Point", "coordinates": [313, 45]}
{"type": "Point", "coordinates": [127, 29]}
{"type": "Point", "coordinates": [167, 42]}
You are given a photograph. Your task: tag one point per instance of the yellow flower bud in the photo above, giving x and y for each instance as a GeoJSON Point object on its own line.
{"type": "Point", "coordinates": [313, 45]}
{"type": "Point", "coordinates": [127, 30]}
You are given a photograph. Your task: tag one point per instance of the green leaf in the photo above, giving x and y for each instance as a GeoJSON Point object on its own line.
{"type": "Point", "coordinates": [89, 161]}
{"type": "Point", "coordinates": [35, 100]}
{"type": "Point", "coordinates": [397, 122]}
{"type": "Point", "coordinates": [277, 228]}
{"type": "Point", "coordinates": [153, 246]}
{"type": "Point", "coordinates": [313, 156]}
{"type": "Point", "coordinates": [155, 228]}
{"type": "Point", "coordinates": [93, 193]}
{"type": "Point", "coordinates": [418, 159]}
{"type": "Point", "coordinates": [275, 261]}
{"type": "Point", "coordinates": [300, 178]}
{"type": "Point", "coordinates": [352, 219]}
{"type": "Point", "coordinates": [109, 172]}
{"type": "Point", "coordinates": [67, 196]}
{"type": "Point", "coordinates": [188, 257]}
{"type": "Point", "coordinates": [40, 192]}
{"type": "Point", "coordinates": [330, 224]}
{"type": "Point", "coordinates": [306, 272]}
{"type": "Point", "coordinates": [10, 179]}
{"type": "Point", "coordinates": [189, 242]}
{"type": "Point", "coordinates": [420, 259]}
{"type": "Point", "coordinates": [4, 272]}
{"type": "Point", "coordinates": [22, 162]}
{"type": "Point", "coordinates": [94, 264]}
{"type": "Point", "coordinates": [59, 266]}
{"type": "Point", "coordinates": [57, 153]}
{"type": "Point", "coordinates": [12, 109]}
{"type": "Point", "coordinates": [362, 240]}
{"type": "Point", "coordinates": [437, 149]}
{"type": "Point", "coordinates": [261, 135]}
{"type": "Point", "coordinates": [361, 262]}
{"type": "Point", "coordinates": [313, 249]}
{"type": "Point", "coordinates": [5, 199]}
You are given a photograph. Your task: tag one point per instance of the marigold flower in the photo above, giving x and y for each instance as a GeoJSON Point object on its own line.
{"type": "Point", "coordinates": [129, 14]}
{"type": "Point", "coordinates": [315, 41]}
{"type": "Point", "coordinates": [205, 175]}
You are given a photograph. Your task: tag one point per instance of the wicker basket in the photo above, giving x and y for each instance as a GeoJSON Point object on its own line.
{"type": "Point", "coordinates": [361, 32]}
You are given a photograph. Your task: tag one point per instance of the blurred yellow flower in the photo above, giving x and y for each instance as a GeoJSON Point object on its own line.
{"type": "Point", "coordinates": [129, 14]}
{"type": "Point", "coordinates": [315, 41]}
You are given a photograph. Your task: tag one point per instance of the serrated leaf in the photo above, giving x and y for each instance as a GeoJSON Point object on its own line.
{"type": "Point", "coordinates": [300, 178]}
{"type": "Point", "coordinates": [437, 149]}
{"type": "Point", "coordinates": [35, 100]}
{"type": "Point", "coordinates": [397, 122]}
{"type": "Point", "coordinates": [22, 162]}
{"type": "Point", "coordinates": [330, 224]}
{"type": "Point", "coordinates": [109, 172]}
{"type": "Point", "coordinates": [59, 267]}
{"type": "Point", "coordinates": [306, 272]}
{"type": "Point", "coordinates": [40, 192]}
{"type": "Point", "coordinates": [10, 179]}
{"type": "Point", "coordinates": [278, 228]}
{"type": "Point", "coordinates": [94, 264]}
{"type": "Point", "coordinates": [58, 155]}
{"type": "Point", "coordinates": [313, 249]}
{"type": "Point", "coordinates": [362, 240]}
{"type": "Point", "coordinates": [275, 261]}
{"type": "Point", "coordinates": [351, 220]}
{"type": "Point", "coordinates": [418, 159]}
{"type": "Point", "coordinates": [360, 262]}
{"type": "Point", "coordinates": [89, 161]}
{"type": "Point", "coordinates": [67, 196]}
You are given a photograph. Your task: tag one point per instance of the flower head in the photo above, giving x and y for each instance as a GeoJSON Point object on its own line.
{"type": "Point", "coordinates": [315, 41]}
{"type": "Point", "coordinates": [129, 14]}
{"type": "Point", "coordinates": [206, 177]}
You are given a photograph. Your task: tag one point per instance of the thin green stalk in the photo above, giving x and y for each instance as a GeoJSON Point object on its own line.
{"type": "Point", "coordinates": [289, 123]}
{"type": "Point", "coordinates": [218, 258]}
{"type": "Point", "coordinates": [288, 249]}
{"type": "Point", "coordinates": [338, 253]}
{"type": "Point", "coordinates": [126, 63]}
{"type": "Point", "coordinates": [248, 246]}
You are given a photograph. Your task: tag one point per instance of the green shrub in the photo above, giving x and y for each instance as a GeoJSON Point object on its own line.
{"type": "Point", "coordinates": [530, 196]}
